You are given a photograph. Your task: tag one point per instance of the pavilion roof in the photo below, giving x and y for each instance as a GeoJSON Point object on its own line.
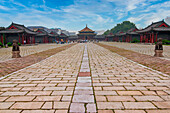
{"type": "Point", "coordinates": [18, 28]}
{"type": "Point", "coordinates": [63, 35]}
{"type": "Point", "coordinates": [11, 31]}
{"type": "Point", "coordinates": [157, 26]}
{"type": "Point", "coordinates": [86, 29]}
{"type": "Point", "coordinates": [53, 33]}
{"type": "Point", "coordinates": [41, 32]}
{"type": "Point", "coordinates": [86, 34]}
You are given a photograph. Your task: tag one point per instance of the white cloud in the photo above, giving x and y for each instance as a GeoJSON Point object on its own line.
{"type": "Point", "coordinates": [167, 19]}
{"type": "Point", "coordinates": [4, 8]}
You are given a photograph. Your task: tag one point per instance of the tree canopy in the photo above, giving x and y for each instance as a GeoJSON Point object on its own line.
{"type": "Point", "coordinates": [122, 27]}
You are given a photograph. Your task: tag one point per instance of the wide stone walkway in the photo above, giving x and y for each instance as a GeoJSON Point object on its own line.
{"type": "Point", "coordinates": [85, 78]}
{"type": "Point", "coordinates": [6, 53]}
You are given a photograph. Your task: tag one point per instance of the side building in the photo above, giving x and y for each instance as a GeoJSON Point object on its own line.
{"type": "Point", "coordinates": [18, 32]}
{"type": "Point", "coordinates": [156, 30]}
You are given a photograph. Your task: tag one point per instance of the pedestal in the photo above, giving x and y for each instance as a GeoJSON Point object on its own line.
{"type": "Point", "coordinates": [16, 54]}
{"type": "Point", "coordinates": [158, 53]}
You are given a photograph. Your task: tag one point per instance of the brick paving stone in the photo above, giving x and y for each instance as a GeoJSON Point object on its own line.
{"type": "Point", "coordinates": [39, 93]}
{"type": "Point", "coordinates": [105, 111]}
{"type": "Point", "coordinates": [149, 92]}
{"type": "Point", "coordinates": [120, 98]}
{"type": "Point", "coordinates": [129, 92]}
{"type": "Point", "coordinates": [158, 111]}
{"type": "Point", "coordinates": [10, 89]}
{"type": "Point", "coordinates": [84, 74]}
{"type": "Point", "coordinates": [31, 88]}
{"type": "Point", "coordinates": [54, 88]}
{"type": "Point", "coordinates": [14, 93]}
{"type": "Point", "coordinates": [167, 98]}
{"type": "Point", "coordinates": [129, 111]}
{"type": "Point", "coordinates": [83, 92]}
{"type": "Point", "coordinates": [47, 98]}
{"type": "Point", "coordinates": [47, 105]}
{"type": "Point", "coordinates": [21, 98]}
{"type": "Point", "coordinates": [105, 93]}
{"type": "Point", "coordinates": [5, 105]}
{"type": "Point", "coordinates": [100, 98]}
{"type": "Point", "coordinates": [162, 104]}
{"type": "Point", "coordinates": [61, 105]}
{"type": "Point", "coordinates": [10, 111]}
{"type": "Point", "coordinates": [91, 108]}
{"type": "Point", "coordinates": [3, 98]}
{"type": "Point", "coordinates": [61, 111]}
{"type": "Point", "coordinates": [138, 105]}
{"type": "Point", "coordinates": [83, 98]}
{"type": "Point", "coordinates": [77, 107]}
{"type": "Point", "coordinates": [62, 93]}
{"type": "Point", "coordinates": [161, 93]}
{"type": "Point", "coordinates": [148, 98]}
{"type": "Point", "coordinates": [110, 105]}
{"type": "Point", "coordinates": [66, 98]}
{"type": "Point", "coordinates": [38, 111]}
{"type": "Point", "coordinates": [113, 88]}
{"type": "Point", "coordinates": [27, 105]}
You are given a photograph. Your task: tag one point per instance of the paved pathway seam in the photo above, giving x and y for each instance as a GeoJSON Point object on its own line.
{"type": "Point", "coordinates": [83, 99]}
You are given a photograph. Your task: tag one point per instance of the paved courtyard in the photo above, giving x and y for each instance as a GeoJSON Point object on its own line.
{"type": "Point", "coordinates": [6, 53]}
{"type": "Point", "coordinates": [85, 78]}
{"type": "Point", "coordinates": [140, 48]}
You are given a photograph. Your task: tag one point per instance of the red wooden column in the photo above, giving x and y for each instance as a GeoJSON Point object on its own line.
{"type": "Point", "coordinates": [22, 39]}
{"type": "Point", "coordinates": [145, 38]}
{"type": "Point", "coordinates": [156, 37]}
{"type": "Point", "coordinates": [142, 37]}
{"type": "Point", "coordinates": [152, 37]}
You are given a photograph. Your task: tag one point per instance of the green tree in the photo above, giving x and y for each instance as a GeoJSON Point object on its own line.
{"type": "Point", "coordinates": [122, 27]}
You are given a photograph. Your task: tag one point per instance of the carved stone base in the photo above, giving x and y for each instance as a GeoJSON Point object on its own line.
{"type": "Point", "coordinates": [158, 53]}
{"type": "Point", "coordinates": [16, 54]}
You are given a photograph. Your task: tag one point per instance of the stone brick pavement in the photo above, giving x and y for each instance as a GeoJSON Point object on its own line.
{"type": "Point", "coordinates": [140, 48]}
{"type": "Point", "coordinates": [6, 53]}
{"type": "Point", "coordinates": [122, 86]}
{"type": "Point", "coordinates": [15, 64]}
{"type": "Point", "coordinates": [44, 87]}
{"type": "Point", "coordinates": [116, 85]}
{"type": "Point", "coordinates": [157, 63]}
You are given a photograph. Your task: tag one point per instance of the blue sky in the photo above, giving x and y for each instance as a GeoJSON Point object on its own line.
{"type": "Point", "coordinates": [73, 15]}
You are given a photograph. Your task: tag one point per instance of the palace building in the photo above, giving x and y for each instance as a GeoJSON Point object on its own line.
{"type": "Point", "coordinates": [86, 34]}
{"type": "Point", "coordinates": [18, 32]}
{"type": "Point", "coordinates": [154, 31]}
